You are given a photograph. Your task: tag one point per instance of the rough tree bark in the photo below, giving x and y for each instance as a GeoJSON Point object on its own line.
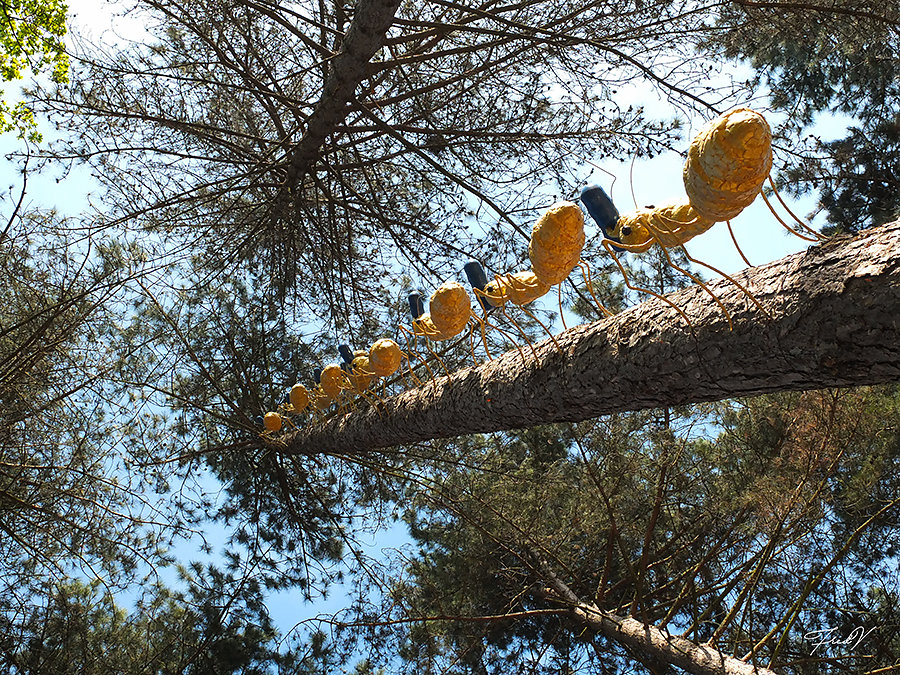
{"type": "Point", "coordinates": [832, 319]}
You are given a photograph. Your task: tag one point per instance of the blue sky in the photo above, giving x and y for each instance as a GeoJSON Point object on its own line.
{"type": "Point", "coordinates": [652, 181]}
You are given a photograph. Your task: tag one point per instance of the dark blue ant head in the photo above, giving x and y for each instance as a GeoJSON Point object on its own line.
{"type": "Point", "coordinates": [416, 304]}
{"type": "Point", "coordinates": [317, 375]}
{"type": "Point", "coordinates": [346, 353]}
{"type": "Point", "coordinates": [477, 279]}
{"type": "Point", "coordinates": [258, 420]}
{"type": "Point", "coordinates": [600, 207]}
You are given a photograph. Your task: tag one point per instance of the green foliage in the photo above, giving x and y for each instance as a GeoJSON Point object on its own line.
{"type": "Point", "coordinates": [124, 371]}
{"type": "Point", "coordinates": [231, 351]}
{"type": "Point", "coordinates": [820, 58]}
{"type": "Point", "coordinates": [208, 116]}
{"type": "Point", "coordinates": [218, 626]}
{"type": "Point", "coordinates": [66, 497]}
{"type": "Point", "coordinates": [795, 498]}
{"type": "Point", "coordinates": [867, 177]}
{"type": "Point", "coordinates": [31, 38]}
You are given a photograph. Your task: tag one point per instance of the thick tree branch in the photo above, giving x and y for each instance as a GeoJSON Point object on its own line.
{"type": "Point", "coordinates": [364, 37]}
{"type": "Point", "coordinates": [833, 321]}
{"type": "Point", "coordinates": [646, 639]}
{"type": "Point", "coordinates": [649, 640]}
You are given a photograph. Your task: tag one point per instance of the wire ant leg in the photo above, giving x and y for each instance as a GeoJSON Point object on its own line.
{"type": "Point", "coordinates": [507, 336]}
{"type": "Point", "coordinates": [412, 349]}
{"type": "Point", "coordinates": [586, 275]}
{"type": "Point", "coordinates": [510, 338]}
{"type": "Point", "coordinates": [439, 360]}
{"type": "Point", "coordinates": [510, 279]}
{"type": "Point", "coordinates": [379, 387]}
{"type": "Point", "coordinates": [373, 399]}
{"type": "Point", "coordinates": [541, 324]}
{"type": "Point", "coordinates": [344, 399]}
{"type": "Point", "coordinates": [607, 244]}
{"type": "Point", "coordinates": [482, 323]}
{"type": "Point", "coordinates": [302, 420]}
{"type": "Point", "coordinates": [288, 421]}
{"type": "Point", "coordinates": [319, 415]}
{"type": "Point", "coordinates": [346, 405]}
{"type": "Point", "coordinates": [354, 398]}
{"type": "Point", "coordinates": [471, 337]}
{"type": "Point", "coordinates": [425, 361]}
{"type": "Point", "coordinates": [471, 343]}
{"type": "Point", "coordinates": [785, 225]}
{"type": "Point", "coordinates": [726, 276]}
{"type": "Point", "coordinates": [736, 245]}
{"type": "Point", "coordinates": [700, 283]}
{"type": "Point", "coordinates": [562, 316]}
{"type": "Point", "coordinates": [802, 223]}
{"type": "Point", "coordinates": [401, 374]}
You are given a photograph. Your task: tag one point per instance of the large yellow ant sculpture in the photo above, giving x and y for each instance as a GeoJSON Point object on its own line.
{"type": "Point", "coordinates": [727, 164]}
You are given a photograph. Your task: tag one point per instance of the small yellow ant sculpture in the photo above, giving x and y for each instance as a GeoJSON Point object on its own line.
{"type": "Point", "coordinates": [556, 242]}
{"type": "Point", "coordinates": [385, 357]}
{"type": "Point", "coordinates": [519, 288]}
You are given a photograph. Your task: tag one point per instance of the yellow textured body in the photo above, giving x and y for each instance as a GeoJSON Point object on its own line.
{"type": "Point", "coordinates": [319, 399]}
{"type": "Point", "coordinates": [272, 421]}
{"type": "Point", "coordinates": [332, 380]}
{"type": "Point", "coordinates": [556, 242]}
{"type": "Point", "coordinates": [384, 357]}
{"type": "Point", "coordinates": [299, 397]}
{"type": "Point", "coordinates": [360, 374]}
{"type": "Point", "coordinates": [425, 327]}
{"type": "Point", "coordinates": [669, 225]}
{"type": "Point", "coordinates": [727, 164]}
{"type": "Point", "coordinates": [520, 288]}
{"type": "Point", "coordinates": [450, 308]}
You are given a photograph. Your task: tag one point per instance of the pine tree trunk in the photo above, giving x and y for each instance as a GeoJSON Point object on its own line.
{"type": "Point", "coordinates": [650, 641]}
{"type": "Point", "coordinates": [832, 319]}
{"type": "Point", "coordinates": [350, 66]}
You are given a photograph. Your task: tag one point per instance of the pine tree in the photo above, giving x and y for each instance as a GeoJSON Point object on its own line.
{"type": "Point", "coordinates": [820, 58]}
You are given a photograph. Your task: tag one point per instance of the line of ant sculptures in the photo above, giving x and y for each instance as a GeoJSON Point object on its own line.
{"type": "Point", "coordinates": [727, 164]}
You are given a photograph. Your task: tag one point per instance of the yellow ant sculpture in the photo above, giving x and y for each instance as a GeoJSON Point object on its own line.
{"type": "Point", "coordinates": [450, 310]}
{"type": "Point", "coordinates": [554, 250]}
{"type": "Point", "coordinates": [556, 242]}
{"type": "Point", "coordinates": [519, 288]}
{"type": "Point", "coordinates": [385, 357]}
{"type": "Point", "coordinates": [727, 164]}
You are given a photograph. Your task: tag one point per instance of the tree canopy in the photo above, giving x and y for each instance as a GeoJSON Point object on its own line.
{"type": "Point", "coordinates": [274, 178]}
{"type": "Point", "coordinates": [821, 58]}
{"type": "Point", "coordinates": [31, 39]}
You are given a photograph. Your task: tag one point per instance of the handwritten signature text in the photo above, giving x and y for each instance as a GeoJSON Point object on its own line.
{"type": "Point", "coordinates": [828, 637]}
